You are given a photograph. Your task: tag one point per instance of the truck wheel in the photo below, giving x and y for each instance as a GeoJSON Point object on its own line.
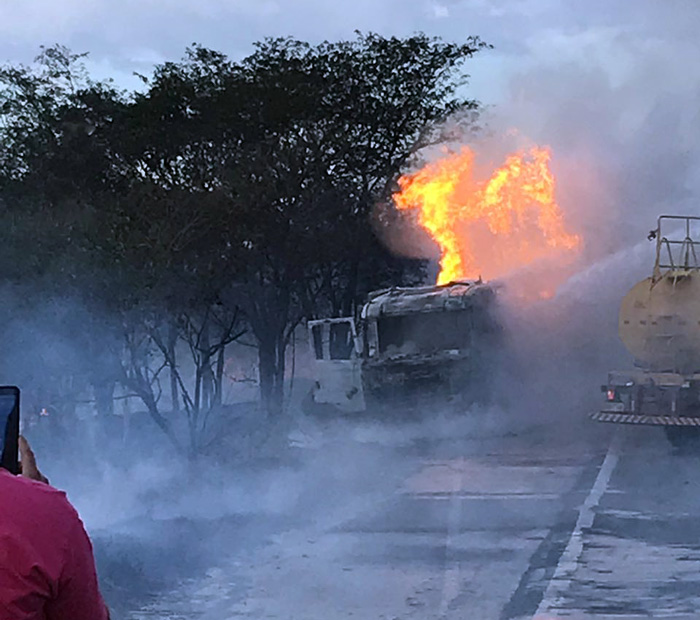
{"type": "Point", "coordinates": [683, 438]}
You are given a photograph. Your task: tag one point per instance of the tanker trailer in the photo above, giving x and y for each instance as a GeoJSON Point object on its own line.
{"type": "Point", "coordinates": [659, 324]}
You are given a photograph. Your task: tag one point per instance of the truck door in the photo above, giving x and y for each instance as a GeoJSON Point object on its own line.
{"type": "Point", "coordinates": [337, 350]}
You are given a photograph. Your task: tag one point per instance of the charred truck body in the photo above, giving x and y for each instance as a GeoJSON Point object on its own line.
{"type": "Point", "coordinates": [411, 344]}
{"type": "Point", "coordinates": [660, 326]}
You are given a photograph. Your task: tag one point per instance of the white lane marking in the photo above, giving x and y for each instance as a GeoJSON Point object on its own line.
{"type": "Point", "coordinates": [568, 562]}
{"type": "Point", "coordinates": [442, 496]}
{"type": "Point", "coordinates": [451, 580]}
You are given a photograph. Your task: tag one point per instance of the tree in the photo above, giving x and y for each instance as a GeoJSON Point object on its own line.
{"type": "Point", "coordinates": [137, 255]}
{"type": "Point", "coordinates": [384, 100]}
{"type": "Point", "coordinates": [304, 141]}
{"type": "Point", "coordinates": [340, 120]}
{"type": "Point", "coordinates": [50, 170]}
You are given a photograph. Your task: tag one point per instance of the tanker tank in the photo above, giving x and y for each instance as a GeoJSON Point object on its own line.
{"type": "Point", "coordinates": [659, 322]}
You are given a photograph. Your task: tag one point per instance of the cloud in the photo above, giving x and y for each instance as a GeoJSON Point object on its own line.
{"type": "Point", "coordinates": [439, 11]}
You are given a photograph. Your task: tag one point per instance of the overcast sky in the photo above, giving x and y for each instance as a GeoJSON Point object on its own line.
{"type": "Point", "coordinates": [612, 85]}
{"type": "Point", "coordinates": [123, 36]}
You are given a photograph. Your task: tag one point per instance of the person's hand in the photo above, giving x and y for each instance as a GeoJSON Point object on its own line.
{"type": "Point", "coordinates": [27, 462]}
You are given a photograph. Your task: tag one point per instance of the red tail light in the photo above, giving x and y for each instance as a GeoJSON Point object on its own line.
{"type": "Point", "coordinates": [611, 394]}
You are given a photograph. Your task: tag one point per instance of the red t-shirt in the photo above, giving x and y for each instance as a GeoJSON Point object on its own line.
{"type": "Point", "coordinates": [47, 569]}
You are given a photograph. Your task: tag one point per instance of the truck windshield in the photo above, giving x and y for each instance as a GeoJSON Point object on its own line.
{"type": "Point", "coordinates": [425, 332]}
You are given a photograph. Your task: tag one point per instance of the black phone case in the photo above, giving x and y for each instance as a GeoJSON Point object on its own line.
{"type": "Point", "coordinates": [10, 450]}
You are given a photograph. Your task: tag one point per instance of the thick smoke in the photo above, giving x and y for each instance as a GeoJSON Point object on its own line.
{"type": "Point", "coordinates": [619, 104]}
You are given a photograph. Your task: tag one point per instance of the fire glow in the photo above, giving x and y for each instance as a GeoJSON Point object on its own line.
{"type": "Point", "coordinates": [489, 228]}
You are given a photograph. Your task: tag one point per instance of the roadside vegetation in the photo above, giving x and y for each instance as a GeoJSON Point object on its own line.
{"type": "Point", "coordinates": [224, 199]}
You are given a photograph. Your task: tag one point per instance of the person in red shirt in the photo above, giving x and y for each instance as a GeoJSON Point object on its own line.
{"type": "Point", "coordinates": [47, 567]}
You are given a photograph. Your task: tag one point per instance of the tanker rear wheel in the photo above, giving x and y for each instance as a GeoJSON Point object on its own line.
{"type": "Point", "coordinates": [683, 438]}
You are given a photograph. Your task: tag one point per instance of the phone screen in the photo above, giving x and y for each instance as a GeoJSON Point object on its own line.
{"type": "Point", "coordinates": [9, 428]}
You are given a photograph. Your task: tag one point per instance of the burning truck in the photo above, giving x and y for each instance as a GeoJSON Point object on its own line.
{"type": "Point", "coordinates": [409, 345]}
{"type": "Point", "coordinates": [659, 324]}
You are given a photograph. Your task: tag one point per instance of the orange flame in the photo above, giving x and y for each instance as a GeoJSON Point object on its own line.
{"type": "Point", "coordinates": [488, 228]}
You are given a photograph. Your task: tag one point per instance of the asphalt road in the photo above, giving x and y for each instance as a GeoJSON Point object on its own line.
{"type": "Point", "coordinates": [640, 555]}
{"type": "Point", "coordinates": [560, 519]}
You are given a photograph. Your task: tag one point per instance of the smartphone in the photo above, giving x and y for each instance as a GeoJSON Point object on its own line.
{"type": "Point", "coordinates": [9, 428]}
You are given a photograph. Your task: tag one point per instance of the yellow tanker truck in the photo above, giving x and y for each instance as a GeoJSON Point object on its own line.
{"type": "Point", "coordinates": [659, 324]}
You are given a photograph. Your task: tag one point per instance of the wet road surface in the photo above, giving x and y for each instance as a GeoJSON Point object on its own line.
{"type": "Point", "coordinates": [571, 520]}
{"type": "Point", "coordinates": [640, 558]}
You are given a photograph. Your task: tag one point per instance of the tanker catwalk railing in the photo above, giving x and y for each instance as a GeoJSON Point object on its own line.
{"type": "Point", "coordinates": [681, 253]}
